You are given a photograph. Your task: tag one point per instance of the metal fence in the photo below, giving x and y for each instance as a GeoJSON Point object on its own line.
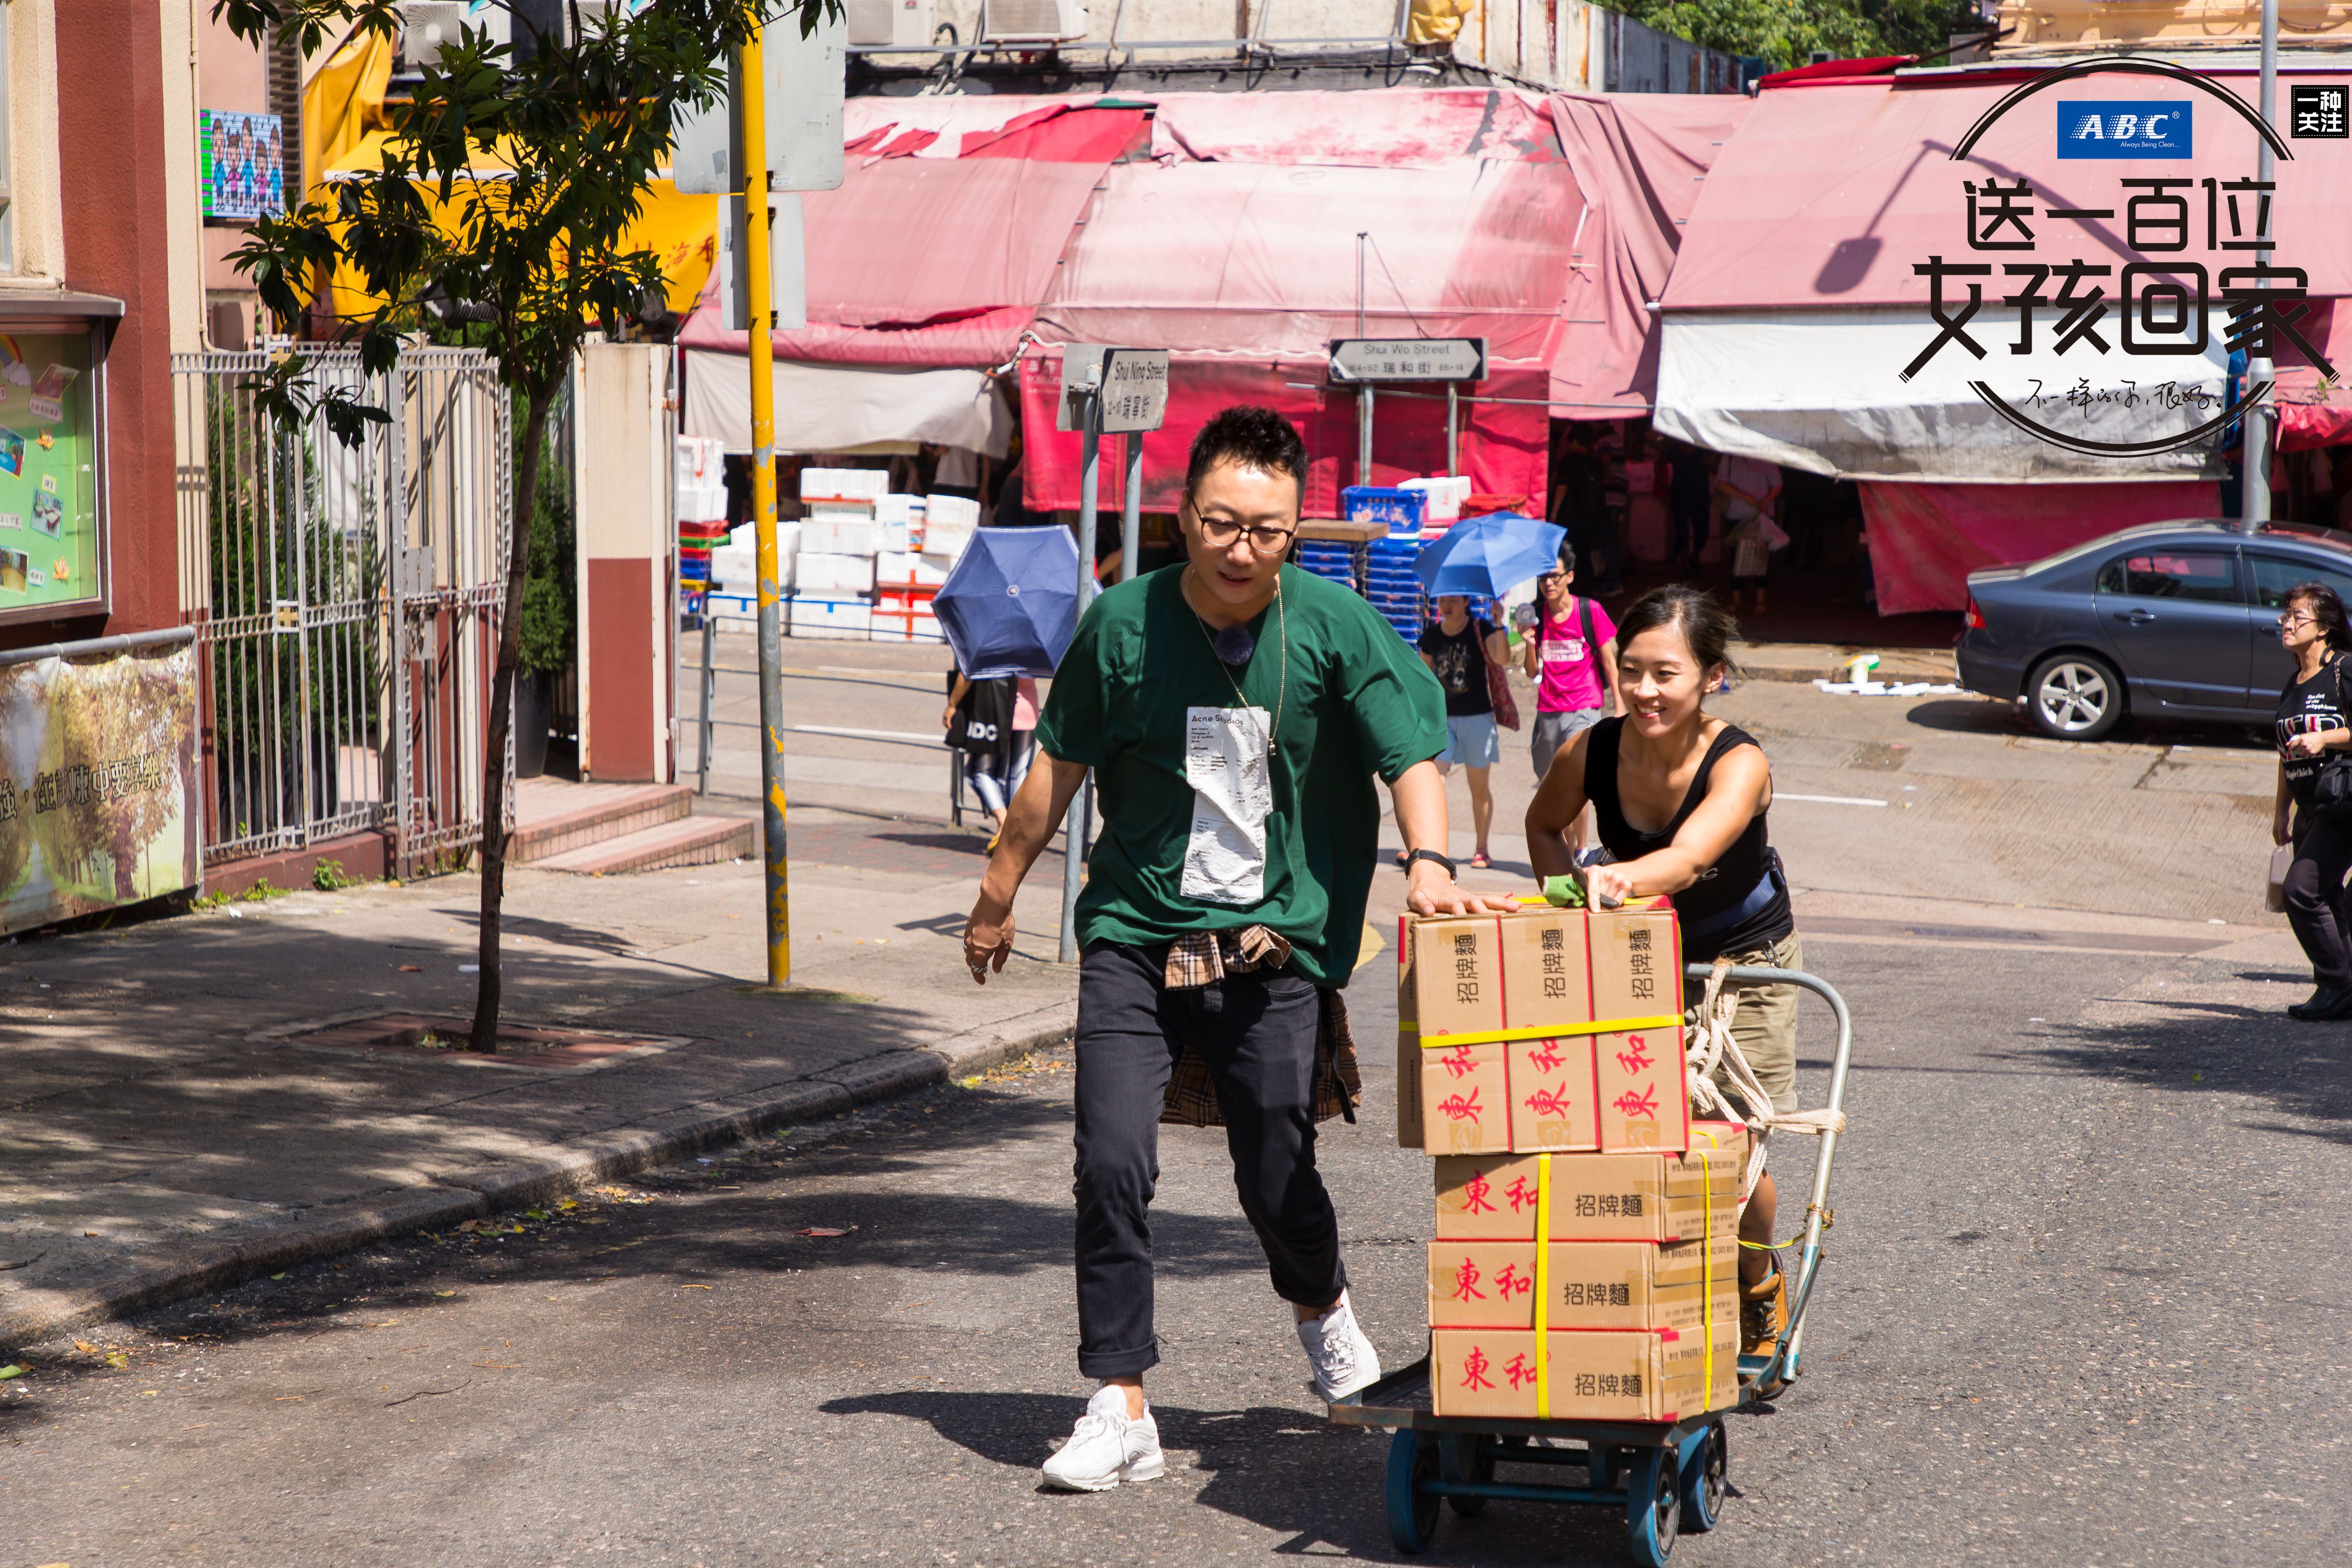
{"type": "Point", "coordinates": [346, 601]}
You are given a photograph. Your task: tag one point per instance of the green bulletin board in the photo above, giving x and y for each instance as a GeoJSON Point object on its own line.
{"type": "Point", "coordinates": [51, 549]}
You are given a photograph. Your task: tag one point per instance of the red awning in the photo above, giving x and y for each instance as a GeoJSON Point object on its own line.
{"type": "Point", "coordinates": [1925, 538]}
{"type": "Point", "coordinates": [1832, 196]}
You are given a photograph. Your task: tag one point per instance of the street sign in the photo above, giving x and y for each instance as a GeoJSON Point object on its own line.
{"type": "Point", "coordinates": [805, 78]}
{"type": "Point", "coordinates": [787, 266]}
{"type": "Point", "coordinates": [1134, 390]}
{"type": "Point", "coordinates": [1408, 358]}
{"type": "Point", "coordinates": [1081, 372]}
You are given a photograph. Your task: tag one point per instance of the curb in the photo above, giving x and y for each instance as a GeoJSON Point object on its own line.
{"type": "Point", "coordinates": [468, 1195]}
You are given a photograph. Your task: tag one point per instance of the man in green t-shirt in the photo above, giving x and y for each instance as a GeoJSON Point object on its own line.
{"type": "Point", "coordinates": [1235, 711]}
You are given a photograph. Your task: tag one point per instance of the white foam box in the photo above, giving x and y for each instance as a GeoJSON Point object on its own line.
{"type": "Point", "coordinates": [702, 503]}
{"type": "Point", "coordinates": [844, 484]}
{"type": "Point", "coordinates": [922, 626]}
{"type": "Point", "coordinates": [897, 567]}
{"type": "Point", "coordinates": [733, 566]}
{"type": "Point", "coordinates": [832, 536]}
{"type": "Point", "coordinates": [830, 617]}
{"type": "Point", "coordinates": [698, 460]}
{"type": "Point", "coordinates": [821, 572]}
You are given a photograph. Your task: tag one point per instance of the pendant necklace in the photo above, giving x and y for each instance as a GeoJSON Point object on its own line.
{"type": "Point", "coordinates": [1233, 645]}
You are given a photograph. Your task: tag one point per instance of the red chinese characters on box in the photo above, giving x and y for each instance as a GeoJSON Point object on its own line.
{"type": "Point", "coordinates": [1641, 1098]}
{"type": "Point", "coordinates": [1552, 1095]}
{"type": "Point", "coordinates": [1465, 1106]}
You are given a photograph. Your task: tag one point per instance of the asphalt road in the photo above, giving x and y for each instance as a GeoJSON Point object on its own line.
{"type": "Point", "coordinates": [2084, 1306]}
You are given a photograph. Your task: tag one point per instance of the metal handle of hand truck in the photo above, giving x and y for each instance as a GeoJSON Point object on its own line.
{"type": "Point", "coordinates": [1765, 975]}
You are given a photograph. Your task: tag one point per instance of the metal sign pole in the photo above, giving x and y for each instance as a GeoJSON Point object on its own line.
{"type": "Point", "coordinates": [1453, 420]}
{"type": "Point", "coordinates": [2254, 477]}
{"type": "Point", "coordinates": [1131, 522]}
{"type": "Point", "coordinates": [756, 238]}
{"type": "Point", "coordinates": [1075, 826]}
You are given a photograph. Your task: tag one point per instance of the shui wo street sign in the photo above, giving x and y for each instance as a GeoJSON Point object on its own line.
{"type": "Point", "coordinates": [1408, 358]}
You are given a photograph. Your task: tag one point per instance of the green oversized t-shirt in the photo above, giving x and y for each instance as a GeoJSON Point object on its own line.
{"type": "Point", "coordinates": [1141, 690]}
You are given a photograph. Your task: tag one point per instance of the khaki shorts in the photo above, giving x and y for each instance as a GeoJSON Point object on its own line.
{"type": "Point", "coordinates": [1765, 1025]}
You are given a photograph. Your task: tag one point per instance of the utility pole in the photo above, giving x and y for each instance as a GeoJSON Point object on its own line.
{"type": "Point", "coordinates": [753, 100]}
{"type": "Point", "coordinates": [2254, 474]}
{"type": "Point", "coordinates": [1076, 826]}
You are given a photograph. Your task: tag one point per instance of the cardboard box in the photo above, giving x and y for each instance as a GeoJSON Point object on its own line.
{"type": "Point", "coordinates": [1590, 1284]}
{"type": "Point", "coordinates": [1637, 961]}
{"type": "Point", "coordinates": [1408, 1081]}
{"type": "Point", "coordinates": [1595, 1197]}
{"type": "Point", "coordinates": [1546, 969]}
{"type": "Point", "coordinates": [1450, 975]}
{"type": "Point", "coordinates": [1465, 1106]}
{"type": "Point", "coordinates": [1592, 1374]}
{"type": "Point", "coordinates": [1642, 1094]}
{"type": "Point", "coordinates": [1504, 1096]}
{"type": "Point", "coordinates": [1730, 1139]}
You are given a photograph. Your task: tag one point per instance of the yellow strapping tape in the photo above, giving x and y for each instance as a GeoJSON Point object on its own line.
{"type": "Point", "coordinates": [1547, 1032]}
{"type": "Point", "coordinates": [1543, 1287]}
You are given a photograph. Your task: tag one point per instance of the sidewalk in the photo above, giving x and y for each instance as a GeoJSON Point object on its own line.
{"type": "Point", "coordinates": [193, 1101]}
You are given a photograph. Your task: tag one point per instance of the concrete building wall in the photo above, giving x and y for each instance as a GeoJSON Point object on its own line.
{"type": "Point", "coordinates": [35, 252]}
{"type": "Point", "coordinates": [1540, 43]}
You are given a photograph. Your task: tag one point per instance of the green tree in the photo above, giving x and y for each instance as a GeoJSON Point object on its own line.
{"type": "Point", "coordinates": [1787, 32]}
{"type": "Point", "coordinates": [584, 125]}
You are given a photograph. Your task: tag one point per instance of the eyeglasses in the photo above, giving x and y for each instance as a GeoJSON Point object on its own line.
{"type": "Point", "coordinates": [1219, 533]}
{"type": "Point", "coordinates": [2288, 623]}
{"type": "Point", "coordinates": [1548, 578]}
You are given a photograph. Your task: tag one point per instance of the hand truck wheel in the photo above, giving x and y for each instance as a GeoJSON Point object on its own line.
{"type": "Point", "coordinates": [1458, 1460]}
{"type": "Point", "coordinates": [1653, 1506]}
{"type": "Point", "coordinates": [1412, 1514]}
{"type": "Point", "coordinates": [1706, 1460]}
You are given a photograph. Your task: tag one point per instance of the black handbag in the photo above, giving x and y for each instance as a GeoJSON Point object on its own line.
{"type": "Point", "coordinates": [2331, 792]}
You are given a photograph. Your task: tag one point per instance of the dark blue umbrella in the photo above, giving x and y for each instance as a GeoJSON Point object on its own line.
{"type": "Point", "coordinates": [1487, 557]}
{"type": "Point", "coordinates": [1011, 601]}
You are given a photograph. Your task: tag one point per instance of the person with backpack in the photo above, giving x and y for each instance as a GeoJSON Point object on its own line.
{"type": "Point", "coordinates": [1571, 656]}
{"type": "Point", "coordinates": [2312, 721]}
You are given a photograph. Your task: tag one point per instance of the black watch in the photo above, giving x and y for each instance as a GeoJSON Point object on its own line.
{"type": "Point", "coordinates": [1432, 857]}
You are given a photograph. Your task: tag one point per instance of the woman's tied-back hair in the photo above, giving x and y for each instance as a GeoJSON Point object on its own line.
{"type": "Point", "coordinates": [2326, 607]}
{"type": "Point", "coordinates": [1705, 625]}
{"type": "Point", "coordinates": [1253, 438]}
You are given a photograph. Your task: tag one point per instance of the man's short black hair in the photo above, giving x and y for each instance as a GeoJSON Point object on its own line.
{"type": "Point", "coordinates": [1252, 437]}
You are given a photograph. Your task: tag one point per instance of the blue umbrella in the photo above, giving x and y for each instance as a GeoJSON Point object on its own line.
{"type": "Point", "coordinates": [1487, 557]}
{"type": "Point", "coordinates": [1011, 601]}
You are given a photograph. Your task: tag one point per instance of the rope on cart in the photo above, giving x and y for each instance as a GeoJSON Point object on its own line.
{"type": "Point", "coordinates": [1709, 1042]}
{"type": "Point", "coordinates": [1829, 1219]}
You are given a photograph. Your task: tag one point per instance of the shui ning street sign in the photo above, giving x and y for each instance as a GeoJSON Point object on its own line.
{"type": "Point", "coordinates": [1408, 358]}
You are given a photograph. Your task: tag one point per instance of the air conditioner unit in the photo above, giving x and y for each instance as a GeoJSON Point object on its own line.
{"type": "Point", "coordinates": [1031, 21]}
{"type": "Point", "coordinates": [890, 24]}
{"type": "Point", "coordinates": [427, 25]}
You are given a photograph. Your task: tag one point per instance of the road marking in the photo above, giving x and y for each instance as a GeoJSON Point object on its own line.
{"type": "Point", "coordinates": [1371, 947]}
{"type": "Point", "coordinates": [1779, 795]}
{"type": "Point", "coordinates": [901, 737]}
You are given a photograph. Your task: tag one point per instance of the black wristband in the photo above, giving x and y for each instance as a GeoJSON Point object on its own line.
{"type": "Point", "coordinates": [1434, 858]}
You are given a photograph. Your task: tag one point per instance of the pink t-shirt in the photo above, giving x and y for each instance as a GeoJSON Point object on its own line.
{"type": "Point", "coordinates": [1572, 669]}
{"type": "Point", "coordinates": [1024, 704]}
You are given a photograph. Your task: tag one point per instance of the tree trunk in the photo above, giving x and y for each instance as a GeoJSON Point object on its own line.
{"type": "Point", "coordinates": [485, 1035]}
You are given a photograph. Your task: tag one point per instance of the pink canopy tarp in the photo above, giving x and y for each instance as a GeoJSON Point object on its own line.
{"type": "Point", "coordinates": [1925, 538]}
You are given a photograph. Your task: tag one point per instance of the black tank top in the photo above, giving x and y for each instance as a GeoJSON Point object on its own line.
{"type": "Point", "coordinates": [1738, 904]}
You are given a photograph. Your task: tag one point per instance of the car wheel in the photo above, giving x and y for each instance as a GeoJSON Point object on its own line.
{"type": "Point", "coordinates": [2074, 697]}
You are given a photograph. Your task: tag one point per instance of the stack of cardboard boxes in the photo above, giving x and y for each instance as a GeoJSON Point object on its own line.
{"type": "Point", "coordinates": [1586, 1264]}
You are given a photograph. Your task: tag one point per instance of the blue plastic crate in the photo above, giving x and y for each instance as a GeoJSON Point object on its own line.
{"type": "Point", "coordinates": [1403, 511]}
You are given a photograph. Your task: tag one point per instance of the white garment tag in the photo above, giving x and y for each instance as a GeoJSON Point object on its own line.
{"type": "Point", "coordinates": [1226, 762]}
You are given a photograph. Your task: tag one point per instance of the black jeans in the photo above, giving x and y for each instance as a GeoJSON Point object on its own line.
{"type": "Point", "coordinates": [1256, 1033]}
{"type": "Point", "coordinates": [2315, 897]}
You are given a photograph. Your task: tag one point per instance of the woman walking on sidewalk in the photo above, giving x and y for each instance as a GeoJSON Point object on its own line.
{"type": "Point", "coordinates": [1458, 647]}
{"type": "Point", "coordinates": [2311, 723]}
{"type": "Point", "coordinates": [1679, 800]}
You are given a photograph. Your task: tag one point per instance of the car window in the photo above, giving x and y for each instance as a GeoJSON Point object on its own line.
{"type": "Point", "coordinates": [2207, 576]}
{"type": "Point", "coordinates": [2275, 574]}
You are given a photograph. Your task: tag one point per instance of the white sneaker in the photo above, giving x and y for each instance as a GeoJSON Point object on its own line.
{"type": "Point", "coordinates": [1343, 1358]}
{"type": "Point", "coordinates": [1107, 1448]}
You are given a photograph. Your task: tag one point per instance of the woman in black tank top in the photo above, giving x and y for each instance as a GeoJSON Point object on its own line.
{"type": "Point", "coordinates": [1679, 800]}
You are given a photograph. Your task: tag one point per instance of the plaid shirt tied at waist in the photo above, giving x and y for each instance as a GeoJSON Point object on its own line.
{"type": "Point", "coordinates": [1204, 959]}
